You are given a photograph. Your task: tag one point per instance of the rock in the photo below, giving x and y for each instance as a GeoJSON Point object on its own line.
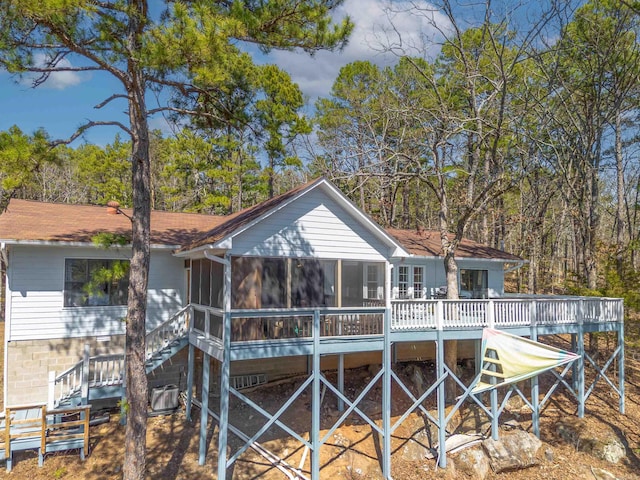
{"type": "Point", "coordinates": [605, 446]}
{"type": "Point", "coordinates": [416, 450]}
{"type": "Point", "coordinates": [512, 451]}
{"type": "Point", "coordinates": [600, 474]}
{"type": "Point", "coordinates": [548, 455]}
{"type": "Point", "coordinates": [608, 449]}
{"type": "Point", "coordinates": [473, 463]}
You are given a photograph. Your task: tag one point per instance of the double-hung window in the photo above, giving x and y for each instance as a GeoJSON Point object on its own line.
{"type": "Point", "coordinates": [403, 281]}
{"type": "Point", "coordinates": [95, 282]}
{"type": "Point", "coordinates": [410, 281]}
{"type": "Point", "coordinates": [418, 282]}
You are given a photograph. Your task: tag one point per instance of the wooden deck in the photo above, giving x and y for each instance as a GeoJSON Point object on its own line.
{"type": "Point", "coordinates": [33, 427]}
{"type": "Point", "coordinates": [232, 335]}
{"type": "Point", "coordinates": [264, 333]}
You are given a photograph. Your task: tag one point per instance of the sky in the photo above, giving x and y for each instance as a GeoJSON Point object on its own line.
{"type": "Point", "coordinates": [67, 99]}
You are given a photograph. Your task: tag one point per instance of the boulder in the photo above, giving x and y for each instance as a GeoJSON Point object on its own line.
{"type": "Point", "coordinates": [609, 449]}
{"type": "Point", "coordinates": [416, 449]}
{"type": "Point", "coordinates": [472, 463]}
{"type": "Point", "coordinates": [605, 445]}
{"type": "Point", "coordinates": [514, 450]}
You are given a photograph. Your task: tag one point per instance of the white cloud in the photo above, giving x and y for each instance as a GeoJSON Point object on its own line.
{"type": "Point", "coordinates": [56, 80]}
{"type": "Point", "coordinates": [383, 31]}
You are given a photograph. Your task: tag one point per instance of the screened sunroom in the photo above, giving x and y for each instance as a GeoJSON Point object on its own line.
{"type": "Point", "coordinates": [286, 284]}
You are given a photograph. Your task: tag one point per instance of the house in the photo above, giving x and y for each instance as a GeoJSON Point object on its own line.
{"type": "Point", "coordinates": [309, 246]}
{"type": "Point", "coordinates": [297, 284]}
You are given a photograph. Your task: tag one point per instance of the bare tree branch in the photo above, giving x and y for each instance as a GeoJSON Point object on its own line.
{"type": "Point", "coordinates": [80, 131]}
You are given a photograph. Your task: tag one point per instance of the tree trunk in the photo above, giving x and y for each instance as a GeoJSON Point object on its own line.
{"type": "Point", "coordinates": [620, 203]}
{"type": "Point", "coordinates": [451, 346]}
{"type": "Point", "coordinates": [136, 376]}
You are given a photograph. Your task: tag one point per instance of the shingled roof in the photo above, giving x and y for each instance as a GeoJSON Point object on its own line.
{"type": "Point", "coordinates": [31, 221]}
{"type": "Point", "coordinates": [426, 243]}
{"type": "Point", "coordinates": [26, 220]}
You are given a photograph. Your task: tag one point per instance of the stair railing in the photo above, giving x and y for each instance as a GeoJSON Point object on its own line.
{"type": "Point", "coordinates": [162, 336]}
{"type": "Point", "coordinates": [108, 370]}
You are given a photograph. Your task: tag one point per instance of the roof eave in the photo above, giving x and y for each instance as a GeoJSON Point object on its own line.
{"type": "Point", "coordinates": [220, 246]}
{"type": "Point", "coordinates": [57, 243]}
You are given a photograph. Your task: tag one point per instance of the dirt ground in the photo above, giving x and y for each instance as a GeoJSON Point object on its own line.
{"type": "Point", "coordinates": [351, 451]}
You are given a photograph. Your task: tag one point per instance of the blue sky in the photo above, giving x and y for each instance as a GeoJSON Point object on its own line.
{"type": "Point", "coordinates": [67, 100]}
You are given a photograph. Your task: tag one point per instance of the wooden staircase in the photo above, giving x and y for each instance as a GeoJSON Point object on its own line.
{"type": "Point", "coordinates": [102, 376]}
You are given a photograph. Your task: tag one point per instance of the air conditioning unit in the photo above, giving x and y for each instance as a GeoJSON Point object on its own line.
{"type": "Point", "coordinates": [164, 398]}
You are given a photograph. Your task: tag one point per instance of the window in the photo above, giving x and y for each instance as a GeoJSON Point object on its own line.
{"type": "Point", "coordinates": [374, 291]}
{"type": "Point", "coordinates": [403, 281]}
{"type": "Point", "coordinates": [410, 281]}
{"type": "Point", "coordinates": [418, 282]}
{"type": "Point", "coordinates": [95, 282]}
{"type": "Point", "coordinates": [474, 283]}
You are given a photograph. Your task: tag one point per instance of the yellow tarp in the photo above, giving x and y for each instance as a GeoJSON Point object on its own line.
{"type": "Point", "coordinates": [509, 359]}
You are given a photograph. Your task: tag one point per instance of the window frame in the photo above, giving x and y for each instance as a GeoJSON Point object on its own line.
{"type": "Point", "coordinates": [418, 293]}
{"type": "Point", "coordinates": [404, 272]}
{"type": "Point", "coordinates": [410, 292]}
{"type": "Point", "coordinates": [475, 281]}
{"type": "Point", "coordinates": [110, 290]}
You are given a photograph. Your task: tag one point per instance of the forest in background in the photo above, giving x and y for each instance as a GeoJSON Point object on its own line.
{"type": "Point", "coordinates": [525, 140]}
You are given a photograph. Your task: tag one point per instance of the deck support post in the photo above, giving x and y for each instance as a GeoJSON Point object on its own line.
{"type": "Point", "coordinates": [574, 367]}
{"type": "Point", "coordinates": [315, 402]}
{"type": "Point", "coordinates": [493, 395]}
{"type": "Point", "coordinates": [341, 381]}
{"type": "Point", "coordinates": [621, 361]}
{"type": "Point", "coordinates": [580, 368]}
{"type": "Point", "coordinates": [190, 369]}
{"type": "Point", "coordinates": [223, 422]}
{"type": "Point", "coordinates": [386, 396]}
{"type": "Point", "coordinates": [204, 410]}
{"type": "Point", "coordinates": [535, 392]}
{"type": "Point", "coordinates": [442, 430]}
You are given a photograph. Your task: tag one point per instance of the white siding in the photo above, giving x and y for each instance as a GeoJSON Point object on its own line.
{"type": "Point", "coordinates": [313, 226]}
{"type": "Point", "coordinates": [36, 282]}
{"type": "Point", "coordinates": [435, 277]}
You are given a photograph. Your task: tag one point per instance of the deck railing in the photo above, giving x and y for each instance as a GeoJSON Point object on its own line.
{"type": "Point", "coordinates": [507, 312]}
{"type": "Point", "coordinates": [277, 324]}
